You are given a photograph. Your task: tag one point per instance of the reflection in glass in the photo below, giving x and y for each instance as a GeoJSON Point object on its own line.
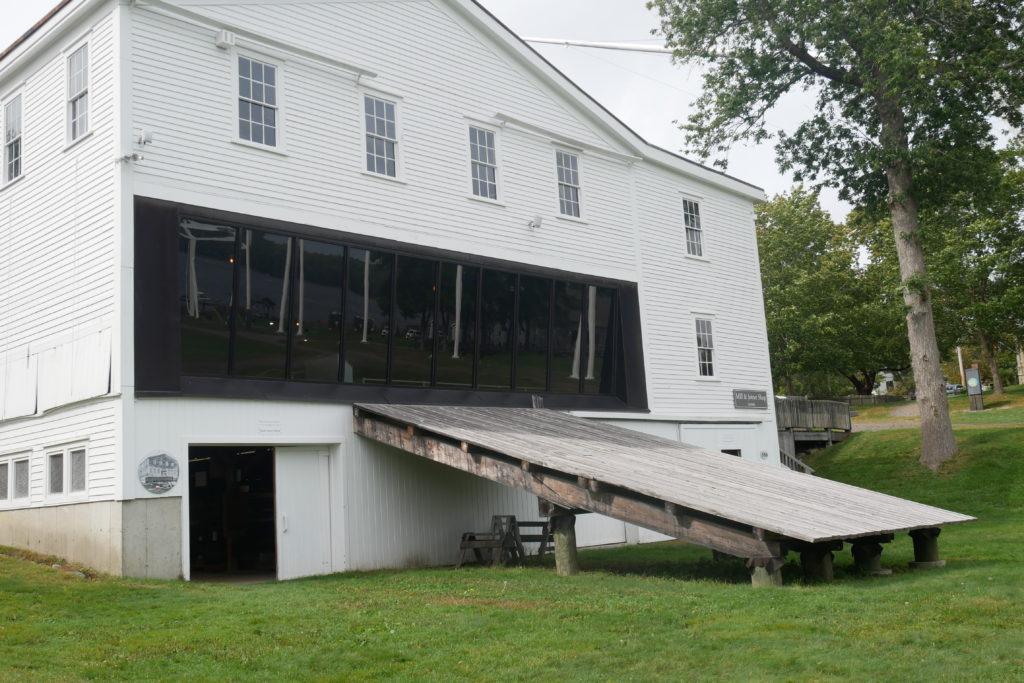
{"type": "Point", "coordinates": [496, 312]}
{"type": "Point", "coordinates": [458, 320]}
{"type": "Point", "coordinates": [261, 333]}
{"type": "Point", "coordinates": [566, 338]}
{"type": "Point", "coordinates": [413, 348]}
{"type": "Point", "coordinates": [367, 311]}
{"type": "Point", "coordinates": [600, 317]}
{"type": "Point", "coordinates": [318, 313]}
{"type": "Point", "coordinates": [205, 265]}
{"type": "Point", "coordinates": [532, 341]}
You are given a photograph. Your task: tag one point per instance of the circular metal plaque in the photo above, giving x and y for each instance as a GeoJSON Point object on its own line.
{"type": "Point", "coordinates": [158, 472]}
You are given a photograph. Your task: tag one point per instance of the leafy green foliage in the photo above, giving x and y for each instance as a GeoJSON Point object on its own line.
{"type": "Point", "coordinates": [826, 313]}
{"type": "Point", "coordinates": [941, 66]}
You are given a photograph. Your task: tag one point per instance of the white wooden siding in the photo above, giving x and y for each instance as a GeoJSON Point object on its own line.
{"type": "Point", "coordinates": [57, 274]}
{"type": "Point", "coordinates": [726, 284]}
{"type": "Point", "coordinates": [91, 424]}
{"type": "Point", "coordinates": [184, 93]}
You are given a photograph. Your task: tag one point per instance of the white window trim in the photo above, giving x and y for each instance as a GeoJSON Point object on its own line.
{"type": "Point", "coordinates": [699, 201]}
{"type": "Point", "coordinates": [694, 317]}
{"type": "Point", "coordinates": [65, 451]}
{"type": "Point", "coordinates": [7, 99]}
{"type": "Point", "coordinates": [279, 108]}
{"type": "Point", "coordinates": [496, 131]}
{"type": "Point", "coordinates": [9, 459]}
{"type": "Point", "coordinates": [578, 153]}
{"type": "Point", "coordinates": [70, 142]}
{"type": "Point", "coordinates": [399, 103]}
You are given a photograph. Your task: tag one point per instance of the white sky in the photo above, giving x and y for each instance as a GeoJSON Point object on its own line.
{"type": "Point", "coordinates": [644, 90]}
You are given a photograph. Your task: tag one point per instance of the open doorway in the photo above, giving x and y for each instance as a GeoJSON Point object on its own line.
{"type": "Point", "coordinates": [231, 513]}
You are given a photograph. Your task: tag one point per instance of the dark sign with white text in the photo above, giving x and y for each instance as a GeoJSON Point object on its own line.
{"type": "Point", "coordinates": [749, 398]}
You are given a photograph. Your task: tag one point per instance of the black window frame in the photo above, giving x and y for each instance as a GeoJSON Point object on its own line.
{"type": "Point", "coordinates": [158, 346]}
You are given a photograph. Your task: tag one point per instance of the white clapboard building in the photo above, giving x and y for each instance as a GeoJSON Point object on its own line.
{"type": "Point", "coordinates": [224, 223]}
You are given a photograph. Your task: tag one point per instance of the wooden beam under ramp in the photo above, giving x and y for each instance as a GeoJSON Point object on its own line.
{"type": "Point", "coordinates": [742, 508]}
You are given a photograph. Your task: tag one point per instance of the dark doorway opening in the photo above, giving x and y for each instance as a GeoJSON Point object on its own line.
{"type": "Point", "coordinates": [231, 512]}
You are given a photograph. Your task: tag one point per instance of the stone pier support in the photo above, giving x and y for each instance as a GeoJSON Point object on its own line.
{"type": "Point", "coordinates": [867, 555]}
{"type": "Point", "coordinates": [926, 549]}
{"type": "Point", "coordinates": [765, 571]}
{"type": "Point", "coordinates": [816, 561]}
{"type": "Point", "coordinates": [563, 526]}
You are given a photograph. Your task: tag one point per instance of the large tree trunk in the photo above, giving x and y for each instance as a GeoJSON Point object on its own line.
{"type": "Point", "coordinates": [863, 383]}
{"type": "Point", "coordinates": [937, 441]}
{"type": "Point", "coordinates": [988, 353]}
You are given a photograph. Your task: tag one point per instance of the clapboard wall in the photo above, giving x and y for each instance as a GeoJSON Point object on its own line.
{"type": "Point", "coordinates": [58, 267]}
{"type": "Point", "coordinates": [445, 74]}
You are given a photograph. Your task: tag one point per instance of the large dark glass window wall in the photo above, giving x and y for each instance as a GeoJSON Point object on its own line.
{"type": "Point", "coordinates": [256, 304]}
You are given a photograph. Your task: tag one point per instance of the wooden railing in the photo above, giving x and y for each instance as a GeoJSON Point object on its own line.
{"type": "Point", "coordinates": [801, 413]}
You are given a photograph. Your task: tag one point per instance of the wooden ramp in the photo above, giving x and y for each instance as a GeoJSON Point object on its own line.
{"type": "Point", "coordinates": [731, 505]}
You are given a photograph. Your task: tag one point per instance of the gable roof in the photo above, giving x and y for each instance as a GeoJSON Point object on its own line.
{"type": "Point", "coordinates": [543, 68]}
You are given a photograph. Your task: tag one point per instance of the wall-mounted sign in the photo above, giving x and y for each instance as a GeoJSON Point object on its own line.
{"type": "Point", "coordinates": [749, 398]}
{"type": "Point", "coordinates": [158, 472]}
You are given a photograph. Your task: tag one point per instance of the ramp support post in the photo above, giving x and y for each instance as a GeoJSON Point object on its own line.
{"type": "Point", "coordinates": [816, 560]}
{"type": "Point", "coordinates": [926, 548]}
{"type": "Point", "coordinates": [867, 555]}
{"type": "Point", "coordinates": [563, 525]}
{"type": "Point", "coordinates": [765, 571]}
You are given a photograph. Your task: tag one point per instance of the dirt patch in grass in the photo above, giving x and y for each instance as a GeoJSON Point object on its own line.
{"type": "Point", "coordinates": [51, 561]}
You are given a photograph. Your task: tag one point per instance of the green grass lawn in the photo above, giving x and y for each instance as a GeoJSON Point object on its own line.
{"type": "Point", "coordinates": [665, 611]}
{"type": "Point", "coordinates": [1005, 409]}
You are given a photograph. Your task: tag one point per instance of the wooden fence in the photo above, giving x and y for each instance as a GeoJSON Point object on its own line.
{"type": "Point", "coordinates": [801, 413]}
{"type": "Point", "coordinates": [873, 400]}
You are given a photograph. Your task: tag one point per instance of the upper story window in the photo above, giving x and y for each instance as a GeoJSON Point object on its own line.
{"type": "Point", "coordinates": [484, 162]}
{"type": "Point", "coordinates": [705, 348]}
{"type": "Point", "coordinates": [257, 102]}
{"type": "Point", "coordinates": [78, 93]}
{"type": "Point", "coordinates": [381, 136]}
{"type": "Point", "coordinates": [694, 232]}
{"type": "Point", "coordinates": [261, 305]}
{"type": "Point", "coordinates": [12, 139]}
{"type": "Point", "coordinates": [568, 183]}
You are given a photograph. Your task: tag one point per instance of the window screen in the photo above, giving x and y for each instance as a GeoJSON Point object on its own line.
{"type": "Point", "coordinates": [56, 469]}
{"type": "Point", "coordinates": [78, 470]}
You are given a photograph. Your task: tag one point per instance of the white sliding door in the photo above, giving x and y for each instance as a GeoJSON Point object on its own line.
{"type": "Point", "coordinates": [303, 506]}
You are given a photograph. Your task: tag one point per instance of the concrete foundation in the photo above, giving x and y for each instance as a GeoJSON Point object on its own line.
{"type": "Point", "coordinates": [125, 538]}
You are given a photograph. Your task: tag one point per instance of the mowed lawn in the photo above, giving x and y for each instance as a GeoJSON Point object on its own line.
{"type": "Point", "coordinates": [1005, 409]}
{"type": "Point", "coordinates": [665, 611]}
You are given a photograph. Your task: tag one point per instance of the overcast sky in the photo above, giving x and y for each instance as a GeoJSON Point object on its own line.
{"type": "Point", "coordinates": [646, 91]}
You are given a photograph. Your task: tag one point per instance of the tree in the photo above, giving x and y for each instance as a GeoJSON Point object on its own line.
{"type": "Point", "coordinates": [902, 85]}
{"type": "Point", "coordinates": [824, 312]}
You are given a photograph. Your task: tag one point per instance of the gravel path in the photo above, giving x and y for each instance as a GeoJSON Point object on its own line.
{"type": "Point", "coordinates": [908, 410]}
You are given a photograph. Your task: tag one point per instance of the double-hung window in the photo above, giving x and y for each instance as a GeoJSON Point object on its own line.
{"type": "Point", "coordinates": [484, 160]}
{"type": "Point", "coordinates": [705, 348]}
{"type": "Point", "coordinates": [381, 136]}
{"type": "Point", "coordinates": [66, 471]}
{"type": "Point", "coordinates": [78, 93]}
{"type": "Point", "coordinates": [694, 232]}
{"type": "Point", "coordinates": [14, 479]}
{"type": "Point", "coordinates": [568, 183]}
{"type": "Point", "coordinates": [12, 139]}
{"type": "Point", "coordinates": [257, 102]}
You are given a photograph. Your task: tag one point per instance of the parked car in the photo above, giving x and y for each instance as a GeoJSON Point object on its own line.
{"type": "Point", "coordinates": [953, 389]}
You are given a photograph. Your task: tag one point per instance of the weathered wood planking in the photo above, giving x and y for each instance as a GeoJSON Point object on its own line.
{"type": "Point", "coordinates": [800, 413]}
{"type": "Point", "coordinates": [790, 504]}
{"type": "Point", "coordinates": [569, 493]}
